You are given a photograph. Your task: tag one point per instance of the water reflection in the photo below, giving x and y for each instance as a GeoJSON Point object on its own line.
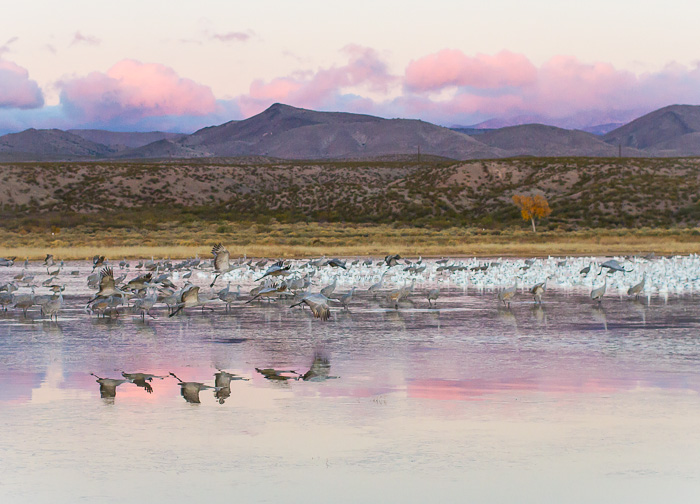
{"type": "Point", "coordinates": [222, 382]}
{"type": "Point", "coordinates": [466, 396]}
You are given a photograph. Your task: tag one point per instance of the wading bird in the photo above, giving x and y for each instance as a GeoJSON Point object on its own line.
{"type": "Point", "coordinates": [107, 286]}
{"type": "Point", "coordinates": [637, 289]}
{"type": "Point", "coordinates": [598, 293]}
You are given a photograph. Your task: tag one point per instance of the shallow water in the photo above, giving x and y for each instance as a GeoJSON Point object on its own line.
{"type": "Point", "coordinates": [570, 402]}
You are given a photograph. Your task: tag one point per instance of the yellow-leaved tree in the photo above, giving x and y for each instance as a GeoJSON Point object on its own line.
{"type": "Point", "coordinates": [532, 207]}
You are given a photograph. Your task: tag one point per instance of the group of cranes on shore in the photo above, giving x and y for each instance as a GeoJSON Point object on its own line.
{"type": "Point", "coordinates": [285, 279]}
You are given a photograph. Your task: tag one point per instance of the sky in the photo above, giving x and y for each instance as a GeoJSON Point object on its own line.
{"type": "Point", "coordinates": [179, 65]}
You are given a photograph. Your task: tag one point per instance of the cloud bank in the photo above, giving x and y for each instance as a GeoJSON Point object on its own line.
{"type": "Point", "coordinates": [447, 87]}
{"type": "Point", "coordinates": [17, 90]}
{"type": "Point", "coordinates": [131, 91]}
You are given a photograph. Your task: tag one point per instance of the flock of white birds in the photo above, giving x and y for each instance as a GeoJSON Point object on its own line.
{"type": "Point", "coordinates": [146, 287]}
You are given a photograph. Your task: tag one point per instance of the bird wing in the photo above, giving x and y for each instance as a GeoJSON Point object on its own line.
{"type": "Point", "coordinates": [106, 278]}
{"type": "Point", "coordinates": [190, 294]}
{"type": "Point", "coordinates": [319, 307]}
{"type": "Point", "coordinates": [221, 257]}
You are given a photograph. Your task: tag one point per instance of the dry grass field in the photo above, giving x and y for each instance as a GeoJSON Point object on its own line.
{"type": "Point", "coordinates": [309, 240]}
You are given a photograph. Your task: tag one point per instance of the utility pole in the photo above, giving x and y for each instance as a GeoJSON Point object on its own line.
{"type": "Point", "coordinates": [619, 151]}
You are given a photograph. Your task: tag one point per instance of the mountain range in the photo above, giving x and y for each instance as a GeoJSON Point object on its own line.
{"type": "Point", "coordinates": [287, 132]}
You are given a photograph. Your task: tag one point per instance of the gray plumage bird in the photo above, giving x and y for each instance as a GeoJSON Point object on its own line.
{"type": "Point", "coordinates": [433, 295]}
{"type": "Point", "coordinates": [598, 293]}
{"type": "Point", "coordinates": [190, 390]}
{"type": "Point", "coordinates": [108, 386]}
{"type": "Point", "coordinates": [142, 380]}
{"type": "Point", "coordinates": [637, 289]}
{"type": "Point", "coordinates": [318, 303]}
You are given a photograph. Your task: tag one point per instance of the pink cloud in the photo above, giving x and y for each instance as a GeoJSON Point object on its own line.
{"type": "Point", "coordinates": [453, 68]}
{"type": "Point", "coordinates": [131, 90]}
{"type": "Point", "coordinates": [324, 87]}
{"type": "Point", "coordinates": [509, 85]}
{"type": "Point", "coordinates": [79, 38]}
{"type": "Point", "coordinates": [16, 89]}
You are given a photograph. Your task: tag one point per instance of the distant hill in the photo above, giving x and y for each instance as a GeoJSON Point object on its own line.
{"type": "Point", "coordinates": [550, 141]}
{"type": "Point", "coordinates": [285, 132]}
{"type": "Point", "coordinates": [292, 133]}
{"type": "Point", "coordinates": [590, 192]}
{"type": "Point", "coordinates": [53, 144]}
{"type": "Point", "coordinates": [668, 131]}
{"type": "Point", "coordinates": [602, 129]}
{"type": "Point", "coordinates": [118, 140]}
{"type": "Point", "coordinates": [162, 149]}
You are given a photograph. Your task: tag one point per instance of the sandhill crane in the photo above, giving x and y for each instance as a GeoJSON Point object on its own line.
{"type": "Point", "coordinates": [6, 299]}
{"type": "Point", "coordinates": [328, 290]}
{"type": "Point", "coordinates": [139, 283]}
{"type": "Point", "coordinates": [506, 295]}
{"type": "Point", "coordinates": [337, 263]}
{"type": "Point", "coordinates": [53, 307]}
{"type": "Point", "coordinates": [188, 299]}
{"type": "Point", "coordinates": [222, 263]}
{"type": "Point", "coordinates": [44, 299]}
{"type": "Point", "coordinates": [346, 298]}
{"type": "Point", "coordinates": [538, 289]}
{"type": "Point", "coordinates": [396, 295]}
{"type": "Point", "coordinates": [190, 390]}
{"type": "Point", "coordinates": [433, 295]}
{"type": "Point", "coordinates": [375, 287]}
{"type": "Point", "coordinates": [229, 297]}
{"type": "Point", "coordinates": [49, 260]}
{"type": "Point", "coordinates": [268, 292]}
{"type": "Point", "coordinates": [392, 260]}
{"type": "Point", "coordinates": [598, 293]}
{"type": "Point", "coordinates": [108, 386]}
{"type": "Point", "coordinates": [97, 262]}
{"type": "Point", "coordinates": [612, 265]}
{"type": "Point", "coordinates": [637, 289]}
{"type": "Point", "coordinates": [586, 270]}
{"type": "Point", "coordinates": [142, 379]}
{"type": "Point", "coordinates": [145, 303]}
{"type": "Point", "coordinates": [277, 269]}
{"type": "Point", "coordinates": [54, 272]}
{"type": "Point", "coordinates": [318, 303]}
{"type": "Point", "coordinates": [107, 286]}
{"type": "Point", "coordinates": [24, 302]}
{"type": "Point", "coordinates": [7, 261]}
{"type": "Point", "coordinates": [320, 369]}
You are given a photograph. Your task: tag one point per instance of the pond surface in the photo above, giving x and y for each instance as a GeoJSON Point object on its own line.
{"type": "Point", "coordinates": [466, 402]}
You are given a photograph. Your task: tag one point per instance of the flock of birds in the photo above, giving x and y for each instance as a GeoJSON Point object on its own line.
{"type": "Point", "coordinates": [318, 371]}
{"type": "Point", "coordinates": [322, 285]}
{"type": "Point", "coordinates": [384, 283]}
